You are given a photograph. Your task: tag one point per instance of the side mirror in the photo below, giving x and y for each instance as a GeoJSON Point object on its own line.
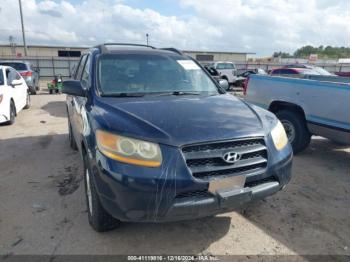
{"type": "Point", "coordinates": [73, 87]}
{"type": "Point", "coordinates": [224, 84]}
{"type": "Point", "coordinates": [16, 82]}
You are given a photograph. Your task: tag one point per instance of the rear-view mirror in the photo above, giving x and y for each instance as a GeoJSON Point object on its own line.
{"type": "Point", "coordinates": [224, 84]}
{"type": "Point", "coordinates": [73, 87]}
{"type": "Point", "coordinates": [16, 82]}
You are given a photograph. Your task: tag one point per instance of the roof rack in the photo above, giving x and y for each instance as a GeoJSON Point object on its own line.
{"type": "Point", "coordinates": [104, 49]}
{"type": "Point", "coordinates": [172, 50]}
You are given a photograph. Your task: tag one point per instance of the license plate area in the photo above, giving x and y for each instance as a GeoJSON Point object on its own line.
{"type": "Point", "coordinates": [228, 183]}
{"type": "Point", "coordinates": [234, 198]}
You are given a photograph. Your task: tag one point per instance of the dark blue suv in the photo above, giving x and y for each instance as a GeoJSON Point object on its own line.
{"type": "Point", "coordinates": [162, 141]}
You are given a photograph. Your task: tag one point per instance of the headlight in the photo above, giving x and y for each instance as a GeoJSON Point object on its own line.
{"type": "Point", "coordinates": [129, 150]}
{"type": "Point", "coordinates": [279, 136]}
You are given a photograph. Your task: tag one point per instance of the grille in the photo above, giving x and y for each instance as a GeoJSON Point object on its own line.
{"type": "Point", "coordinates": [202, 193]}
{"type": "Point", "coordinates": [206, 160]}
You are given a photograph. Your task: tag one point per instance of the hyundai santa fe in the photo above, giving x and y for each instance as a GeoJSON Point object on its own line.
{"type": "Point", "coordinates": [162, 141]}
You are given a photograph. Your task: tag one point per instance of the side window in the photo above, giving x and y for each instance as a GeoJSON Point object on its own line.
{"type": "Point", "coordinates": [8, 76]}
{"type": "Point", "coordinates": [220, 66]}
{"type": "Point", "coordinates": [85, 78]}
{"type": "Point", "coordinates": [276, 72]}
{"type": "Point", "coordinates": [16, 75]}
{"type": "Point", "coordinates": [288, 72]}
{"type": "Point", "coordinates": [11, 75]}
{"type": "Point", "coordinates": [80, 67]}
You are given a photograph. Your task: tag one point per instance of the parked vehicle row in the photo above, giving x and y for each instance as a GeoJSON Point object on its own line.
{"type": "Point", "coordinates": [245, 75]}
{"type": "Point", "coordinates": [162, 141]}
{"type": "Point", "coordinates": [300, 70]}
{"type": "Point", "coordinates": [316, 106]}
{"type": "Point", "coordinates": [14, 95]}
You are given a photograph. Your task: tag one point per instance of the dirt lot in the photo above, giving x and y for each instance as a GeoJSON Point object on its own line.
{"type": "Point", "coordinates": [43, 207]}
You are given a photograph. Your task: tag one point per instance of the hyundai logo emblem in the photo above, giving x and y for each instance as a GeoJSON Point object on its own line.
{"type": "Point", "coordinates": [231, 157]}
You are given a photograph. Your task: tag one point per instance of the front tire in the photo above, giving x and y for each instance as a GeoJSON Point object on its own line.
{"type": "Point", "coordinates": [99, 219]}
{"type": "Point", "coordinates": [297, 132]}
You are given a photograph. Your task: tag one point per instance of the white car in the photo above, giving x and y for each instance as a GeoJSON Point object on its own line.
{"type": "Point", "coordinates": [14, 94]}
{"type": "Point", "coordinates": [227, 70]}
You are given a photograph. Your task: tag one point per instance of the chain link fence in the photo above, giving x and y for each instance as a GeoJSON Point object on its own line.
{"type": "Point", "coordinates": [64, 66]}
{"type": "Point", "coordinates": [49, 66]}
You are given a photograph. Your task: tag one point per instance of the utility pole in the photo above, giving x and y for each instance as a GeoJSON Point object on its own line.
{"type": "Point", "coordinates": [23, 33]}
{"type": "Point", "coordinates": [147, 36]}
{"type": "Point", "coordinates": [13, 45]}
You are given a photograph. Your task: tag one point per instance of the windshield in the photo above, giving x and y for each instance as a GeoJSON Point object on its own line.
{"type": "Point", "coordinates": [308, 71]}
{"type": "Point", "coordinates": [322, 71]}
{"type": "Point", "coordinates": [142, 73]}
{"type": "Point", "coordinates": [225, 66]}
{"type": "Point", "coordinates": [17, 66]}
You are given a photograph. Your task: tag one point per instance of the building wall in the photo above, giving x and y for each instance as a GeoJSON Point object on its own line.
{"type": "Point", "coordinates": [220, 56]}
{"type": "Point", "coordinates": [43, 51]}
{"type": "Point", "coordinates": [35, 51]}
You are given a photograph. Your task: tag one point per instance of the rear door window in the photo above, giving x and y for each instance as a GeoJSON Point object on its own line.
{"type": "Point", "coordinates": [17, 66]}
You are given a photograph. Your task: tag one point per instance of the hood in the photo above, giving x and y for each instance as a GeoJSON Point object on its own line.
{"type": "Point", "coordinates": [178, 120]}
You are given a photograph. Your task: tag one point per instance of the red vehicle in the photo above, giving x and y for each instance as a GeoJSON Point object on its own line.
{"type": "Point", "coordinates": [344, 74]}
{"type": "Point", "coordinates": [299, 70]}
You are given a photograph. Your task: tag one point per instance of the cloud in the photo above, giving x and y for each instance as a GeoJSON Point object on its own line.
{"type": "Point", "coordinates": [50, 8]}
{"type": "Point", "coordinates": [228, 25]}
{"type": "Point", "coordinates": [51, 13]}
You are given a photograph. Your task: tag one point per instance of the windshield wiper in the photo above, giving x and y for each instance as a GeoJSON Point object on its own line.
{"type": "Point", "coordinates": [123, 95]}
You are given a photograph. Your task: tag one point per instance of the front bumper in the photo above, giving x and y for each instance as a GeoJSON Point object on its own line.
{"type": "Point", "coordinates": [170, 193]}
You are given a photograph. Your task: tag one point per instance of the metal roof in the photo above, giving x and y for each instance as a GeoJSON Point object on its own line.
{"type": "Point", "coordinates": [87, 47]}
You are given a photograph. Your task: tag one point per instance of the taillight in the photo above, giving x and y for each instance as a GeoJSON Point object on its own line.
{"type": "Point", "coordinates": [245, 85]}
{"type": "Point", "coordinates": [26, 73]}
{"type": "Point", "coordinates": [1, 96]}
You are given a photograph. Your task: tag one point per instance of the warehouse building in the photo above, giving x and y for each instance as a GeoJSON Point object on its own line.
{"type": "Point", "coordinates": [36, 51]}
{"type": "Point", "coordinates": [58, 60]}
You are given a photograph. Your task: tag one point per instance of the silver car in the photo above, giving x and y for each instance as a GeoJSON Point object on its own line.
{"type": "Point", "coordinates": [29, 73]}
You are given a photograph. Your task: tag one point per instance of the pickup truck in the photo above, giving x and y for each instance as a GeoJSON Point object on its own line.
{"type": "Point", "coordinates": [319, 105]}
{"type": "Point", "coordinates": [160, 140]}
{"type": "Point", "coordinates": [227, 70]}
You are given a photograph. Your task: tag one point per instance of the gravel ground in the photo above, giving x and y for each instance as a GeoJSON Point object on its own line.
{"type": "Point", "coordinates": [43, 207]}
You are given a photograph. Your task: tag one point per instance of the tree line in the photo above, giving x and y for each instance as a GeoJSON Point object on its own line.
{"type": "Point", "coordinates": [321, 51]}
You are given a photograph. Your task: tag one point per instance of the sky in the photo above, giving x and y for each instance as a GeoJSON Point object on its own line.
{"type": "Point", "coordinates": [257, 26]}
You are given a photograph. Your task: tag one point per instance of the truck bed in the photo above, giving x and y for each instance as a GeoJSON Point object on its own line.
{"type": "Point", "coordinates": [324, 101]}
